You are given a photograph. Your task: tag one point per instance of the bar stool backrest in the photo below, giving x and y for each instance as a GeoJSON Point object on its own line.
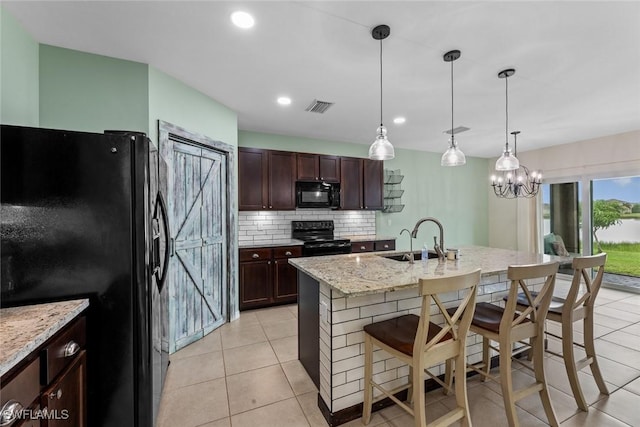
{"type": "Point", "coordinates": [457, 324]}
{"type": "Point", "coordinates": [585, 296]}
{"type": "Point", "coordinates": [538, 304]}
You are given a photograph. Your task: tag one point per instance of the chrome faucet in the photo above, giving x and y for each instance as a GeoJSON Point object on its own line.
{"type": "Point", "coordinates": [408, 256]}
{"type": "Point", "coordinates": [438, 247]}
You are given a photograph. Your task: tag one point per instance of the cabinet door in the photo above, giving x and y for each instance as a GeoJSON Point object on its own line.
{"type": "Point", "coordinates": [285, 281]}
{"type": "Point", "coordinates": [329, 168]}
{"type": "Point", "coordinates": [351, 183]}
{"type": "Point", "coordinates": [307, 167]}
{"type": "Point", "coordinates": [253, 165]}
{"type": "Point", "coordinates": [282, 180]}
{"type": "Point", "coordinates": [373, 177]}
{"type": "Point", "coordinates": [66, 397]}
{"type": "Point", "coordinates": [255, 284]}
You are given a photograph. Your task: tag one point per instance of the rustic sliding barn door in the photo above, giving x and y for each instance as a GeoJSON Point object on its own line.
{"type": "Point", "coordinates": [198, 268]}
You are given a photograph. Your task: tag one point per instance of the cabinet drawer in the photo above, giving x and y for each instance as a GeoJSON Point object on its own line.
{"type": "Point", "coordinates": [23, 388]}
{"type": "Point", "coordinates": [384, 245]}
{"type": "Point", "coordinates": [362, 247]}
{"type": "Point", "coordinates": [63, 350]}
{"type": "Point", "coordinates": [287, 252]}
{"type": "Point", "coordinates": [255, 254]}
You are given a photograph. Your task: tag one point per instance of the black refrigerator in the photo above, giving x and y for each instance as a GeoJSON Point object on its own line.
{"type": "Point", "coordinates": [82, 216]}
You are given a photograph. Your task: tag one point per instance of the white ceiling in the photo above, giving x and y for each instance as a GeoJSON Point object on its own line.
{"type": "Point", "coordinates": [577, 63]}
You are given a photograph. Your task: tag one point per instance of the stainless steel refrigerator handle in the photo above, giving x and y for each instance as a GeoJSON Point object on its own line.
{"type": "Point", "coordinates": [167, 234]}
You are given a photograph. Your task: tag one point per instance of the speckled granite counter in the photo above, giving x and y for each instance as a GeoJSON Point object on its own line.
{"type": "Point", "coordinates": [270, 243]}
{"type": "Point", "coordinates": [23, 329]}
{"type": "Point", "coordinates": [369, 273]}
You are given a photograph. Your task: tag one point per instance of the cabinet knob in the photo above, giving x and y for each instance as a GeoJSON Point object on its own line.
{"type": "Point", "coordinates": [363, 247]}
{"type": "Point", "coordinates": [10, 412]}
{"type": "Point", "coordinates": [71, 349]}
{"type": "Point", "coordinates": [268, 262]}
{"type": "Point", "coordinates": [322, 178]}
{"type": "Point", "coordinates": [264, 207]}
{"type": "Point", "coordinates": [55, 395]}
{"type": "Point", "coordinates": [386, 246]}
{"type": "Point", "coordinates": [255, 256]}
{"type": "Point", "coordinates": [270, 207]}
{"type": "Point", "coordinates": [288, 253]}
{"type": "Point", "coordinates": [316, 177]}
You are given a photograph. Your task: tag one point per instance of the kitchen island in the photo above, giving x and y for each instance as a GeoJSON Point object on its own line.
{"type": "Point", "coordinates": [339, 295]}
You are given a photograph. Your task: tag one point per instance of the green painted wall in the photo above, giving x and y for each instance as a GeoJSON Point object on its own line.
{"type": "Point", "coordinates": [456, 196]}
{"type": "Point", "coordinates": [86, 92]}
{"type": "Point", "coordinates": [172, 101]}
{"type": "Point", "coordinates": [19, 91]}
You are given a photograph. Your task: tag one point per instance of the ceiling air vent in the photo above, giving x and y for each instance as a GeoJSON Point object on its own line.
{"type": "Point", "coordinates": [457, 130]}
{"type": "Point", "coordinates": [318, 106]}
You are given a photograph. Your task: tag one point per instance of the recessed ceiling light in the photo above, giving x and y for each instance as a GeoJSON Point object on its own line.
{"type": "Point", "coordinates": [399, 120]}
{"type": "Point", "coordinates": [242, 19]}
{"type": "Point", "coordinates": [284, 100]}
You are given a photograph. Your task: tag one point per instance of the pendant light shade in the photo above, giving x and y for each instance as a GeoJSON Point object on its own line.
{"type": "Point", "coordinates": [381, 149]}
{"type": "Point", "coordinates": [453, 156]}
{"type": "Point", "coordinates": [507, 161]}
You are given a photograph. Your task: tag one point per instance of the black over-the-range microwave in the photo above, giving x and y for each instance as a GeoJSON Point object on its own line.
{"type": "Point", "coordinates": [317, 195]}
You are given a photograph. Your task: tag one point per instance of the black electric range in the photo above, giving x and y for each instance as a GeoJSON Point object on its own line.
{"type": "Point", "coordinates": [318, 238]}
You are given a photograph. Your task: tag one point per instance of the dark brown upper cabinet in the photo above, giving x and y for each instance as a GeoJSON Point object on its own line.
{"type": "Point", "coordinates": [361, 185]}
{"type": "Point", "coordinates": [351, 183]}
{"type": "Point", "coordinates": [317, 167]}
{"type": "Point", "coordinates": [266, 179]}
{"type": "Point", "coordinates": [373, 184]}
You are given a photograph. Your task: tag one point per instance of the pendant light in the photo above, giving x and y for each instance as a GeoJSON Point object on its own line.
{"type": "Point", "coordinates": [516, 183]}
{"type": "Point", "coordinates": [453, 156]}
{"type": "Point", "coordinates": [507, 161]}
{"type": "Point", "coordinates": [381, 149]}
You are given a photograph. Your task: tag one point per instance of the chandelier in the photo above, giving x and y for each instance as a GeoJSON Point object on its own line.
{"type": "Point", "coordinates": [515, 183]}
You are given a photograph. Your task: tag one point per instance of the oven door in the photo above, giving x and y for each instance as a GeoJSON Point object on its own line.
{"type": "Point", "coordinates": [326, 248]}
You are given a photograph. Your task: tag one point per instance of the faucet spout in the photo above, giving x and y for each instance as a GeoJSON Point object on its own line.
{"type": "Point", "coordinates": [410, 254]}
{"type": "Point", "coordinates": [439, 246]}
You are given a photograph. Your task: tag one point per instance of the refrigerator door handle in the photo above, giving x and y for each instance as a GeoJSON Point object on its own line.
{"type": "Point", "coordinates": [167, 234]}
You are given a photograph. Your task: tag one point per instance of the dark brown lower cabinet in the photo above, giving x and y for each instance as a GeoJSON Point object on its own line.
{"type": "Point", "coordinates": [255, 284]}
{"type": "Point", "coordinates": [266, 278]}
{"type": "Point", "coordinates": [66, 397]}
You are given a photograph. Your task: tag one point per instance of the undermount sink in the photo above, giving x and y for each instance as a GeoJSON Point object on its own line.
{"type": "Point", "coordinates": [416, 256]}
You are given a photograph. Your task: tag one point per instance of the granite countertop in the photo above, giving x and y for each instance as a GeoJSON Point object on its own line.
{"type": "Point", "coordinates": [367, 238]}
{"type": "Point", "coordinates": [369, 273]}
{"type": "Point", "coordinates": [269, 243]}
{"type": "Point", "coordinates": [24, 329]}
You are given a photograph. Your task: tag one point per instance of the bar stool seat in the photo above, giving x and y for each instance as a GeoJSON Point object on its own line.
{"type": "Point", "coordinates": [400, 332]}
{"type": "Point", "coordinates": [488, 316]}
{"type": "Point", "coordinates": [556, 306]}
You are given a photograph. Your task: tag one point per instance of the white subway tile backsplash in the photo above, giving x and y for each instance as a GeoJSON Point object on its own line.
{"type": "Point", "coordinates": [275, 224]}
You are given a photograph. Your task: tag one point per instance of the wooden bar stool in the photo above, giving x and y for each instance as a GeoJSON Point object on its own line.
{"type": "Point", "coordinates": [578, 305]}
{"type": "Point", "coordinates": [420, 343]}
{"type": "Point", "coordinates": [507, 327]}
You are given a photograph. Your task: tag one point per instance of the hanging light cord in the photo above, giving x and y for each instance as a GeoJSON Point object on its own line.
{"type": "Point", "coordinates": [380, 82]}
{"type": "Point", "coordinates": [506, 110]}
{"type": "Point", "coordinates": [452, 102]}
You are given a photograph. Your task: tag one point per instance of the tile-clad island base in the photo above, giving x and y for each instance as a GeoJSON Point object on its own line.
{"type": "Point", "coordinates": [338, 295]}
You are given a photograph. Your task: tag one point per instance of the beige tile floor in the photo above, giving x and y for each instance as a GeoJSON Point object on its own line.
{"type": "Point", "coordinates": [246, 373]}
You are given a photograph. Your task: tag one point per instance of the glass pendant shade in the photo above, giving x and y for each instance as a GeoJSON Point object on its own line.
{"type": "Point", "coordinates": [381, 149]}
{"type": "Point", "coordinates": [453, 156]}
{"type": "Point", "coordinates": [507, 162]}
